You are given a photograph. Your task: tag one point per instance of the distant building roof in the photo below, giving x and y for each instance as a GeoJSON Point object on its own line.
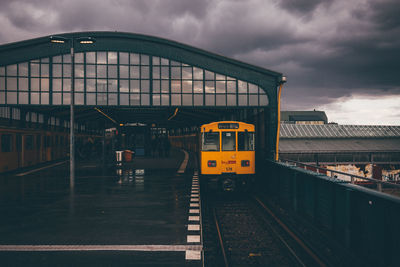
{"type": "Point", "coordinates": [294, 116]}
{"type": "Point", "coordinates": [351, 145]}
{"type": "Point", "coordinates": [329, 131]}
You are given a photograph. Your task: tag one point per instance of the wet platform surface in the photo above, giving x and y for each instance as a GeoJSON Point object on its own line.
{"type": "Point", "coordinates": [106, 207]}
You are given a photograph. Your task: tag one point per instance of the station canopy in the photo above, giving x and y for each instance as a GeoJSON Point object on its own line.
{"type": "Point", "coordinates": [129, 77]}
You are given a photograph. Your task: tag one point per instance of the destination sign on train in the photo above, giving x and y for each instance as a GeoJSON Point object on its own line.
{"type": "Point", "coordinates": [228, 126]}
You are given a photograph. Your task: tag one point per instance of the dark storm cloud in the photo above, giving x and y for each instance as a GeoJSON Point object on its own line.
{"type": "Point", "coordinates": [196, 8]}
{"type": "Point", "coordinates": [25, 14]}
{"type": "Point", "coordinates": [386, 14]}
{"type": "Point", "coordinates": [327, 48]}
{"type": "Point", "coordinates": [301, 6]}
{"type": "Point", "coordinates": [365, 58]}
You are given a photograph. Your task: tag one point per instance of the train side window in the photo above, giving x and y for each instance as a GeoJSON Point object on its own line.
{"type": "Point", "coordinates": [6, 143]}
{"type": "Point", "coordinates": [228, 141]}
{"type": "Point", "coordinates": [210, 141]}
{"type": "Point", "coordinates": [245, 141]}
{"type": "Point", "coordinates": [29, 142]}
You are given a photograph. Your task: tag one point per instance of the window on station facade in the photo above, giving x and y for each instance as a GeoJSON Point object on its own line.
{"type": "Point", "coordinates": [110, 78]}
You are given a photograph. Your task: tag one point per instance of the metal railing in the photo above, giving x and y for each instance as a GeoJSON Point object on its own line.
{"type": "Point", "coordinates": [361, 220]}
{"type": "Point", "coordinates": [379, 183]}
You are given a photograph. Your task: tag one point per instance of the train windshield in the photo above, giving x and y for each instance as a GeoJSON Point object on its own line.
{"type": "Point", "coordinates": [210, 141]}
{"type": "Point", "coordinates": [245, 141]}
{"type": "Point", "coordinates": [228, 141]}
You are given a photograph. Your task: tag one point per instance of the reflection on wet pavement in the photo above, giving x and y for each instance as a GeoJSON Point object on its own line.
{"type": "Point", "coordinates": [119, 206]}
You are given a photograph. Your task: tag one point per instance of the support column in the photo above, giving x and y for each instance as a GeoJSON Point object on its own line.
{"type": "Point", "coordinates": [72, 124]}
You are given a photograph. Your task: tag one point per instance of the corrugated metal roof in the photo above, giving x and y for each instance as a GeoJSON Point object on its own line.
{"type": "Point", "coordinates": [337, 131]}
{"type": "Point", "coordinates": [339, 145]}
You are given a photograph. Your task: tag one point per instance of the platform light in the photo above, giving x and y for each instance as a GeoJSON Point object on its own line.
{"type": "Point", "coordinates": [86, 40]}
{"type": "Point", "coordinates": [58, 39]}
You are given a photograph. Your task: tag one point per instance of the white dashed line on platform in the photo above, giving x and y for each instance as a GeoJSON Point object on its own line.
{"type": "Point", "coordinates": [194, 211]}
{"type": "Point", "coordinates": [193, 255]}
{"type": "Point", "coordinates": [193, 227]}
{"type": "Point", "coordinates": [100, 247]}
{"type": "Point", "coordinates": [194, 219]}
{"type": "Point", "coordinates": [193, 238]}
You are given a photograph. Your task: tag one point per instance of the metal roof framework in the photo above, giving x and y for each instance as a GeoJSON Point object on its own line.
{"type": "Point", "coordinates": [133, 77]}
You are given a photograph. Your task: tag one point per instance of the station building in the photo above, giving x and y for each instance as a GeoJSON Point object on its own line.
{"type": "Point", "coordinates": [363, 150]}
{"type": "Point", "coordinates": [118, 78]}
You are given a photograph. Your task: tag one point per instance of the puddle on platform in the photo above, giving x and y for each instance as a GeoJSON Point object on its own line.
{"type": "Point", "coordinates": [134, 177]}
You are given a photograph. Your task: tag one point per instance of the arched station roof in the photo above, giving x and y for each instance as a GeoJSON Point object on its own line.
{"type": "Point", "coordinates": [124, 71]}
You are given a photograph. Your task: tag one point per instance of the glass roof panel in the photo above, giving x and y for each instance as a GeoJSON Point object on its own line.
{"type": "Point", "coordinates": [100, 74]}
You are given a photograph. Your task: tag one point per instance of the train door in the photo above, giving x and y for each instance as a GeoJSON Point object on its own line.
{"type": "Point", "coordinates": [38, 148]}
{"type": "Point", "coordinates": [19, 146]}
{"type": "Point", "coordinates": [48, 148]}
{"type": "Point", "coordinates": [43, 148]}
{"type": "Point", "coordinates": [228, 152]}
{"type": "Point", "coordinates": [246, 152]}
{"type": "Point", "coordinates": [53, 147]}
{"type": "Point", "coordinates": [28, 150]}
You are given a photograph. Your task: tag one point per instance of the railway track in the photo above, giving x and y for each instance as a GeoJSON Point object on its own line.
{"type": "Point", "coordinates": [247, 234]}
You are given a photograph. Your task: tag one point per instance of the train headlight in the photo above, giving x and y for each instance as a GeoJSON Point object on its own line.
{"type": "Point", "coordinates": [212, 163]}
{"type": "Point", "coordinates": [245, 163]}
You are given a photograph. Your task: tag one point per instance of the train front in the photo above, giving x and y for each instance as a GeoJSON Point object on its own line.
{"type": "Point", "coordinates": [227, 154]}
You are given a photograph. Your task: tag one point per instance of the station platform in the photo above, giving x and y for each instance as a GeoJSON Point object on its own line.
{"type": "Point", "coordinates": [140, 214]}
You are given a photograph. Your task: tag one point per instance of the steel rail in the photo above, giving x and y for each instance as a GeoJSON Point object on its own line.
{"type": "Point", "coordinates": [294, 236]}
{"type": "Point", "coordinates": [221, 243]}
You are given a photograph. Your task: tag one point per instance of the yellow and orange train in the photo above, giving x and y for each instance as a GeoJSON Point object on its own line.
{"type": "Point", "coordinates": [20, 148]}
{"type": "Point", "coordinates": [226, 152]}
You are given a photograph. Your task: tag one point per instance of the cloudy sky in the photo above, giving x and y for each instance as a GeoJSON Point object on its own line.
{"type": "Point", "coordinates": [339, 56]}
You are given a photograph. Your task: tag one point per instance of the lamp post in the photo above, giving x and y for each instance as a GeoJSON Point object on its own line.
{"type": "Point", "coordinates": [279, 118]}
{"type": "Point", "coordinates": [81, 40]}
